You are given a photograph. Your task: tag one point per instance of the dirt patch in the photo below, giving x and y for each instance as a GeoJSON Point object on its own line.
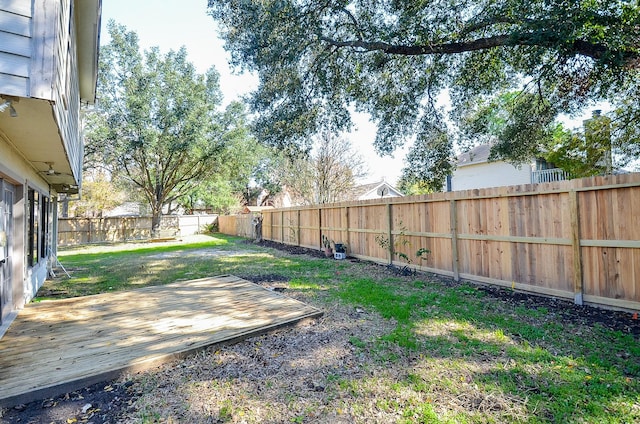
{"type": "Point", "coordinates": [101, 403]}
{"type": "Point", "coordinates": [277, 377]}
{"type": "Point", "coordinates": [273, 282]}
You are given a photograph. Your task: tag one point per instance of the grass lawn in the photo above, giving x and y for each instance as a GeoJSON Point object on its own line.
{"type": "Point", "coordinates": [442, 352]}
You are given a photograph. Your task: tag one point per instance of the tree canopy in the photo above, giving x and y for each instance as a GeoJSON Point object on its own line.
{"type": "Point", "coordinates": [156, 121]}
{"type": "Point", "coordinates": [222, 191]}
{"type": "Point", "coordinates": [328, 174]}
{"type": "Point", "coordinates": [393, 59]}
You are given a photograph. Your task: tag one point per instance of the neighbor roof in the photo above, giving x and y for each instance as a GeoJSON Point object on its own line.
{"type": "Point", "coordinates": [361, 191]}
{"type": "Point", "coordinates": [249, 209]}
{"type": "Point", "coordinates": [478, 154]}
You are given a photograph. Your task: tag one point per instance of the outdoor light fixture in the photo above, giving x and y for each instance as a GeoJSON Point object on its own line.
{"type": "Point", "coordinates": [8, 104]}
{"type": "Point", "coordinates": [4, 106]}
{"type": "Point", "coordinates": [50, 171]}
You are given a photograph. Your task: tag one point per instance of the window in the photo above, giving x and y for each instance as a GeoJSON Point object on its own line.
{"type": "Point", "coordinates": [32, 238]}
{"type": "Point", "coordinates": [39, 224]}
{"type": "Point", "coordinates": [3, 231]}
{"type": "Point", "coordinates": [44, 227]}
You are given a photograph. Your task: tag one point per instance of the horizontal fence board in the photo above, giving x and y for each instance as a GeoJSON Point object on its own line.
{"type": "Point", "coordinates": [577, 239]}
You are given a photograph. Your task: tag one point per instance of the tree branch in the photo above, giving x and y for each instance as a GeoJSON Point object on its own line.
{"type": "Point", "coordinates": [544, 39]}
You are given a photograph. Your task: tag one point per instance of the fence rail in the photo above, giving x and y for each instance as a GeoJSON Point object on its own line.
{"type": "Point", "coordinates": [577, 239]}
{"type": "Point", "coordinates": [75, 231]}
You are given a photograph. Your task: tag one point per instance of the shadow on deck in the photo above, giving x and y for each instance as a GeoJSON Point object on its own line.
{"type": "Point", "coordinates": [54, 347]}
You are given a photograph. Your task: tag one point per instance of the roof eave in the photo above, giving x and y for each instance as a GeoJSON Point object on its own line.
{"type": "Point", "coordinates": [87, 19]}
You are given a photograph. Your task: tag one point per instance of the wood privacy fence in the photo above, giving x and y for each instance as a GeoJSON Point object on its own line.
{"type": "Point", "coordinates": [577, 239]}
{"type": "Point", "coordinates": [76, 231]}
{"type": "Point", "coordinates": [238, 225]}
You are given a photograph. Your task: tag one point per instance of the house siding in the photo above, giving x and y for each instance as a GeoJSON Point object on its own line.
{"type": "Point", "coordinates": [489, 174]}
{"type": "Point", "coordinates": [53, 73]}
{"type": "Point", "coordinates": [66, 87]}
{"type": "Point", "coordinates": [39, 65]}
{"type": "Point", "coordinates": [15, 47]}
{"type": "Point", "coordinates": [38, 59]}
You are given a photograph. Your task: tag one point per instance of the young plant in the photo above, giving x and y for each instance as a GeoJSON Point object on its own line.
{"type": "Point", "coordinates": [401, 241]}
{"type": "Point", "coordinates": [326, 246]}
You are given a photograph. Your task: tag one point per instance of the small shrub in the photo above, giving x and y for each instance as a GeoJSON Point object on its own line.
{"type": "Point", "coordinates": [210, 228]}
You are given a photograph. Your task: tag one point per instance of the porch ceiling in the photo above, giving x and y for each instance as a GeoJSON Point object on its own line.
{"type": "Point", "coordinates": [34, 133]}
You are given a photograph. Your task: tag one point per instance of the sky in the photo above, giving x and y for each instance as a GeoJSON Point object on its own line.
{"type": "Point", "coordinates": [173, 24]}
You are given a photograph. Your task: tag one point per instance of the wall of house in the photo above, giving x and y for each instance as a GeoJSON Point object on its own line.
{"type": "Point", "coordinates": [66, 91]}
{"type": "Point", "coordinates": [14, 166]}
{"type": "Point", "coordinates": [15, 47]}
{"type": "Point", "coordinates": [489, 174]}
{"type": "Point", "coordinates": [374, 195]}
{"type": "Point", "coordinates": [38, 60]}
{"type": "Point", "coordinates": [39, 66]}
{"type": "Point", "coordinates": [20, 177]}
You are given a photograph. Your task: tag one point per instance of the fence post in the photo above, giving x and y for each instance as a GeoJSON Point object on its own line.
{"type": "Point", "coordinates": [454, 240]}
{"type": "Point", "coordinates": [271, 225]}
{"type": "Point", "coordinates": [345, 225]}
{"type": "Point", "coordinates": [577, 250]}
{"type": "Point", "coordinates": [298, 225]}
{"type": "Point", "coordinates": [320, 228]}
{"type": "Point", "coordinates": [390, 233]}
{"type": "Point", "coordinates": [282, 226]}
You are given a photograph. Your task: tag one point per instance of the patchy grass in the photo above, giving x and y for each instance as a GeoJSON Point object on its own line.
{"type": "Point", "coordinates": [389, 349]}
{"type": "Point", "coordinates": [104, 268]}
{"type": "Point", "coordinates": [560, 372]}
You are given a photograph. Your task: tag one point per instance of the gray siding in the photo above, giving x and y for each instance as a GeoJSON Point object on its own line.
{"type": "Point", "coordinates": [38, 59]}
{"type": "Point", "coordinates": [19, 7]}
{"type": "Point", "coordinates": [15, 47]}
{"type": "Point", "coordinates": [12, 85]}
{"type": "Point", "coordinates": [66, 87]}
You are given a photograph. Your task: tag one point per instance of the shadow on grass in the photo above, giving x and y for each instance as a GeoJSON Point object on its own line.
{"type": "Point", "coordinates": [124, 249]}
{"type": "Point", "coordinates": [559, 372]}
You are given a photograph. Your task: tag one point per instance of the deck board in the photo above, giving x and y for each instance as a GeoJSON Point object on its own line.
{"type": "Point", "coordinates": [57, 346]}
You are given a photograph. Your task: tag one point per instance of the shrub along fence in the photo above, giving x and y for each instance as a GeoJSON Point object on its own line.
{"type": "Point", "coordinates": [75, 231]}
{"type": "Point", "coordinates": [577, 239]}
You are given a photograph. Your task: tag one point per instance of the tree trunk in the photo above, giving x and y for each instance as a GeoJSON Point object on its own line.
{"type": "Point", "coordinates": [156, 217]}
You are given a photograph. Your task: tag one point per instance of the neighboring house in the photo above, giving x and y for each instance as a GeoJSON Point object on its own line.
{"type": "Point", "coordinates": [284, 199]}
{"type": "Point", "coordinates": [287, 198]}
{"type": "Point", "coordinates": [48, 67]}
{"type": "Point", "coordinates": [473, 170]}
{"type": "Point", "coordinates": [378, 190]}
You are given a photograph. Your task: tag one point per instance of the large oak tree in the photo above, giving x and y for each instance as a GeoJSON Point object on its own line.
{"type": "Point", "coordinates": [156, 120]}
{"type": "Point", "coordinates": [393, 58]}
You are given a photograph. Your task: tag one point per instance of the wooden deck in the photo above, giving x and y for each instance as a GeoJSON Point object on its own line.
{"type": "Point", "coordinates": [54, 347]}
